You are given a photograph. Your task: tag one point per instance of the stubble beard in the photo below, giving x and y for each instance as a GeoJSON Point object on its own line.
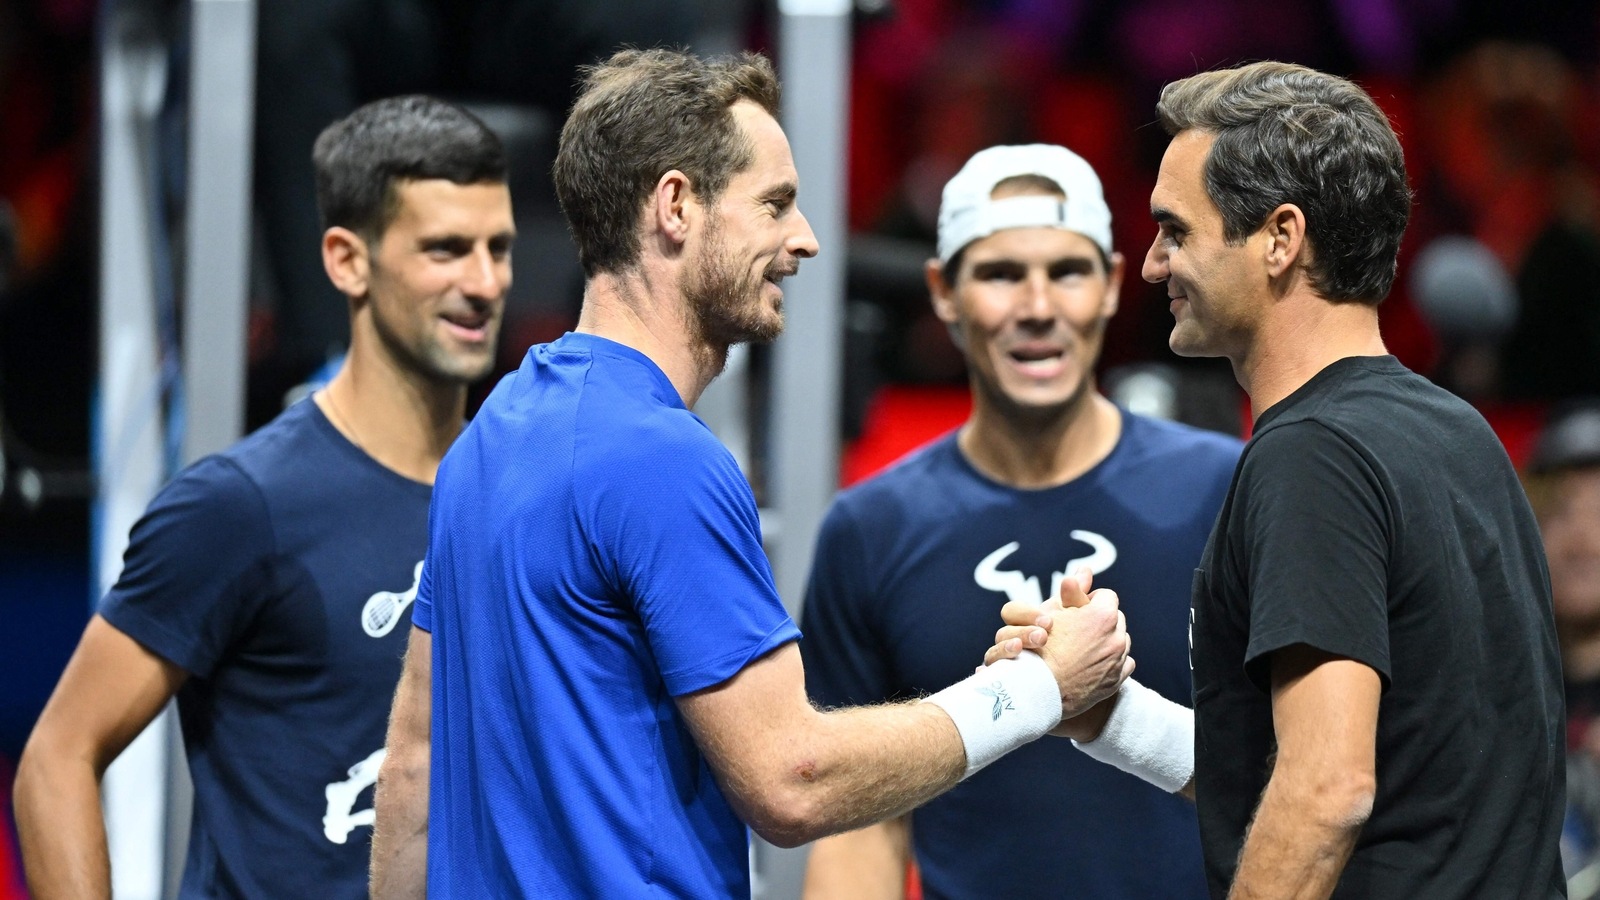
{"type": "Point", "coordinates": [425, 355]}
{"type": "Point", "coordinates": [725, 305]}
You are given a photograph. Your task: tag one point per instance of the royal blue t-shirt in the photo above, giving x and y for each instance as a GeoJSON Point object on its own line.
{"type": "Point", "coordinates": [279, 574]}
{"type": "Point", "coordinates": [594, 553]}
{"type": "Point", "coordinates": [910, 572]}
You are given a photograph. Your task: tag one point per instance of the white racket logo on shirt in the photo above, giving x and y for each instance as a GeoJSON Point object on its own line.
{"type": "Point", "coordinates": [383, 609]}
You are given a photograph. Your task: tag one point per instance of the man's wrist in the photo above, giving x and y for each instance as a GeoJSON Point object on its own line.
{"type": "Point", "coordinates": [1001, 707]}
{"type": "Point", "coordinates": [1148, 736]}
{"type": "Point", "coordinates": [1087, 727]}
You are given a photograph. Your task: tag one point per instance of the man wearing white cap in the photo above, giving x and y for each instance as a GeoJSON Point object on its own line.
{"type": "Point", "coordinates": [1046, 477]}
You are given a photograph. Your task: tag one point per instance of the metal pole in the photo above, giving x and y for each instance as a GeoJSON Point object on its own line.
{"type": "Point", "coordinates": [814, 60]}
{"type": "Point", "coordinates": [217, 222]}
{"type": "Point", "coordinates": [129, 459]}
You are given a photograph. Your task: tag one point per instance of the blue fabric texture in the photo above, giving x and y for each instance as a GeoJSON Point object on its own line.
{"type": "Point", "coordinates": [595, 552]}
{"type": "Point", "coordinates": [279, 575]}
{"type": "Point", "coordinates": [910, 573]}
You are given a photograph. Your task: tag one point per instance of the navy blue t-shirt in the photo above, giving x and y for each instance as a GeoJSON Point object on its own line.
{"type": "Point", "coordinates": [279, 575]}
{"type": "Point", "coordinates": [911, 570]}
{"type": "Point", "coordinates": [595, 554]}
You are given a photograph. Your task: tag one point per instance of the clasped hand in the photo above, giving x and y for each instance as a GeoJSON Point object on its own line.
{"type": "Point", "coordinates": [1083, 637]}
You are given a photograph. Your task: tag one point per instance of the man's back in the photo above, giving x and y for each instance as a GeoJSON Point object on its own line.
{"type": "Point", "coordinates": [1376, 517]}
{"type": "Point", "coordinates": [595, 553]}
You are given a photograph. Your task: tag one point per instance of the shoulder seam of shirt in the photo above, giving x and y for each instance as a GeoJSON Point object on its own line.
{"type": "Point", "coordinates": [260, 496]}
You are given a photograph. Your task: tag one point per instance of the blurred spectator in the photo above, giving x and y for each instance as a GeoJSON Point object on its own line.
{"type": "Point", "coordinates": [1463, 291]}
{"type": "Point", "coordinates": [1564, 487]}
{"type": "Point", "coordinates": [1509, 152]}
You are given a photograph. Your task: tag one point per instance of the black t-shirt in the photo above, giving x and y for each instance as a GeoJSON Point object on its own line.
{"type": "Point", "coordinates": [1376, 517]}
{"type": "Point", "coordinates": [279, 574]}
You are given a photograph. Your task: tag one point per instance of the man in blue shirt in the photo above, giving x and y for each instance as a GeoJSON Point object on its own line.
{"type": "Point", "coordinates": [609, 684]}
{"type": "Point", "coordinates": [1046, 474]}
{"type": "Point", "coordinates": [268, 586]}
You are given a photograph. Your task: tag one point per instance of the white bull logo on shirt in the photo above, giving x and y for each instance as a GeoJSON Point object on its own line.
{"type": "Point", "coordinates": [1025, 588]}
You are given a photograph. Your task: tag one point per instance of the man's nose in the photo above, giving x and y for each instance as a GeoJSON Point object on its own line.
{"type": "Point", "coordinates": [1155, 263]}
{"type": "Point", "coordinates": [803, 242]}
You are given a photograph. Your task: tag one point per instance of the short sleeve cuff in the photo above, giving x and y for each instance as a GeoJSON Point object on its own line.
{"type": "Point", "coordinates": [1258, 656]}
{"type": "Point", "coordinates": [715, 671]}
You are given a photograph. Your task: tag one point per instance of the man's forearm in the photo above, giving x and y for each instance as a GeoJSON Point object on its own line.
{"type": "Point", "coordinates": [61, 828]}
{"type": "Point", "coordinates": [868, 864]}
{"type": "Point", "coordinates": [1299, 843]}
{"type": "Point", "coordinates": [400, 833]}
{"type": "Point", "coordinates": [400, 802]}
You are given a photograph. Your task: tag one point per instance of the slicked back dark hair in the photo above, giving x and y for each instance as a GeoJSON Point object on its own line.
{"type": "Point", "coordinates": [360, 159]}
{"type": "Point", "coordinates": [1289, 134]}
{"type": "Point", "coordinates": [639, 115]}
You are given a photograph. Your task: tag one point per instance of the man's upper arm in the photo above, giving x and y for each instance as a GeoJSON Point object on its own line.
{"type": "Point", "coordinates": [111, 689]}
{"type": "Point", "coordinates": [740, 723]}
{"type": "Point", "coordinates": [1318, 549]}
{"type": "Point", "coordinates": [680, 541]}
{"type": "Point", "coordinates": [1325, 716]}
{"type": "Point", "coordinates": [195, 571]}
{"type": "Point", "coordinates": [411, 719]}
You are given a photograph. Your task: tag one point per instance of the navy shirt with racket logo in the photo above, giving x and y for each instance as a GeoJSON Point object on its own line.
{"type": "Point", "coordinates": [280, 575]}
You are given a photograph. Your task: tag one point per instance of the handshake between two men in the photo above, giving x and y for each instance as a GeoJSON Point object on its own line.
{"type": "Point", "coordinates": [1082, 638]}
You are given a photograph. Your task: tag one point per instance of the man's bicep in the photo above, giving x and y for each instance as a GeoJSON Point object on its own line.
{"type": "Point", "coordinates": [1325, 711]}
{"type": "Point", "coordinates": [742, 723]}
{"type": "Point", "coordinates": [412, 715]}
{"type": "Point", "coordinates": [111, 689]}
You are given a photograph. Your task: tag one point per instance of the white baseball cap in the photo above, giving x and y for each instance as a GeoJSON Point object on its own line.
{"type": "Point", "coordinates": [967, 213]}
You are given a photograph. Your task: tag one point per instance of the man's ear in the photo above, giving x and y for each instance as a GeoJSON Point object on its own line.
{"type": "Point", "coordinates": [345, 257]}
{"type": "Point", "coordinates": [1108, 304]}
{"type": "Point", "coordinates": [1285, 232]}
{"type": "Point", "coordinates": [673, 207]}
{"type": "Point", "coordinates": [940, 292]}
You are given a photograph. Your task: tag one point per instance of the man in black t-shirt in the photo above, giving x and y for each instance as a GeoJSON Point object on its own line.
{"type": "Point", "coordinates": [1378, 708]}
{"type": "Point", "coordinates": [268, 587]}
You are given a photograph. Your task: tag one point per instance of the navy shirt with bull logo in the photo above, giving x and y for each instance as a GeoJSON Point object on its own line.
{"type": "Point", "coordinates": [280, 575]}
{"type": "Point", "coordinates": [911, 570]}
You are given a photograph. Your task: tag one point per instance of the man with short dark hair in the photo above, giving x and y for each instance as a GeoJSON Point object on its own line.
{"type": "Point", "coordinates": [268, 586]}
{"type": "Point", "coordinates": [1378, 708]}
{"type": "Point", "coordinates": [599, 659]}
{"type": "Point", "coordinates": [1047, 474]}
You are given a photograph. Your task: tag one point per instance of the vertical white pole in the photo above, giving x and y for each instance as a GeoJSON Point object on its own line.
{"type": "Point", "coordinates": [129, 458]}
{"type": "Point", "coordinates": [814, 60]}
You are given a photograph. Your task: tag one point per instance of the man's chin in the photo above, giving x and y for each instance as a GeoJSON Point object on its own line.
{"type": "Point", "coordinates": [1187, 345]}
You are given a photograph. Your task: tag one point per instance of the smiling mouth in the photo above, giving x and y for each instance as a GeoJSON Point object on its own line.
{"type": "Point", "coordinates": [1038, 361]}
{"type": "Point", "coordinates": [471, 325]}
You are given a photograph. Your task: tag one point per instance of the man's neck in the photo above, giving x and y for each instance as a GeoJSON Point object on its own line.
{"type": "Point", "coordinates": [397, 417]}
{"type": "Point", "coordinates": [1040, 454]}
{"type": "Point", "coordinates": [1302, 335]}
{"type": "Point", "coordinates": [645, 310]}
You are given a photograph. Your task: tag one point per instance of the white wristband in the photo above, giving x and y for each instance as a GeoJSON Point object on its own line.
{"type": "Point", "coordinates": [1149, 736]}
{"type": "Point", "coordinates": [1002, 706]}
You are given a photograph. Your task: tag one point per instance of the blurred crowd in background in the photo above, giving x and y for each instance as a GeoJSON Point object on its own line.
{"type": "Point", "coordinates": [1496, 103]}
